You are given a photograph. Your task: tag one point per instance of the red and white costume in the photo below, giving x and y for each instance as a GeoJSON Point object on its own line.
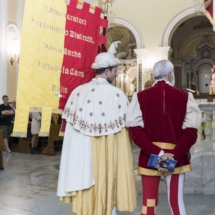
{"type": "Point", "coordinates": [163, 118]}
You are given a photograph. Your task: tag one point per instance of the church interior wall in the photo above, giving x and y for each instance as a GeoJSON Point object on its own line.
{"type": "Point", "coordinates": [149, 19]}
{"type": "Point", "coordinates": [11, 69]}
{"type": "Point", "coordinates": [152, 22]}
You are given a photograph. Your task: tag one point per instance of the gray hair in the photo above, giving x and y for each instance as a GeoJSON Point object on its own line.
{"type": "Point", "coordinates": [162, 68]}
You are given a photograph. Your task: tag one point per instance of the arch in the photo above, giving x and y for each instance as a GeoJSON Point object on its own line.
{"type": "Point", "coordinates": [130, 26]}
{"type": "Point", "coordinates": [204, 61]}
{"type": "Point", "coordinates": [175, 22]}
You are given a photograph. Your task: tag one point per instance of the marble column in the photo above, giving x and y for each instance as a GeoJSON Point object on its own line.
{"type": "Point", "coordinates": [140, 56]}
{"type": "Point", "coordinates": [3, 39]}
{"type": "Point", "coordinates": [164, 52]}
{"type": "Point", "coordinates": [208, 111]}
{"type": "Point", "coordinates": [20, 13]}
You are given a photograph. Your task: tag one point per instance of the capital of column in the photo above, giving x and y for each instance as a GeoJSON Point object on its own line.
{"type": "Point", "coordinates": [165, 52]}
{"type": "Point", "coordinates": [140, 53]}
{"type": "Point", "coordinates": [200, 5]}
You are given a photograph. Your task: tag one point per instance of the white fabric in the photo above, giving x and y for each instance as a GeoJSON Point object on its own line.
{"type": "Point", "coordinates": [192, 119]}
{"type": "Point", "coordinates": [76, 163]}
{"type": "Point", "coordinates": [96, 108]}
{"type": "Point", "coordinates": [134, 115]}
{"type": "Point", "coordinates": [193, 116]}
{"type": "Point", "coordinates": [105, 60]}
{"type": "Point", "coordinates": [158, 80]}
{"type": "Point", "coordinates": [161, 153]}
{"type": "Point", "coordinates": [114, 211]}
{"type": "Point", "coordinates": [93, 109]}
{"type": "Point", "coordinates": [180, 196]}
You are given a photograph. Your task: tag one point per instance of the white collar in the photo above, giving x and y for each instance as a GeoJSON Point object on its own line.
{"type": "Point", "coordinates": [158, 80]}
{"type": "Point", "coordinates": [99, 81]}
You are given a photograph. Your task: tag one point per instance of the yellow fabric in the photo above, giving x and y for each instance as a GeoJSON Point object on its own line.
{"type": "Point", "coordinates": [161, 145]}
{"type": "Point", "coordinates": [144, 210]}
{"type": "Point", "coordinates": [151, 172]}
{"type": "Point", "coordinates": [55, 118]}
{"type": "Point", "coordinates": [151, 203]}
{"type": "Point", "coordinates": [113, 171]}
{"type": "Point", "coordinates": [37, 62]}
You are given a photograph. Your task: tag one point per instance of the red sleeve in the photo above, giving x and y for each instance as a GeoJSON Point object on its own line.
{"type": "Point", "coordinates": [185, 142]}
{"type": "Point", "coordinates": [140, 139]}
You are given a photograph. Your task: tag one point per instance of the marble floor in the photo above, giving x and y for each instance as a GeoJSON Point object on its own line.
{"type": "Point", "coordinates": [28, 187]}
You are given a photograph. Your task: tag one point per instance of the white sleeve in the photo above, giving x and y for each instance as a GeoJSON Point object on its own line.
{"type": "Point", "coordinates": [134, 115]}
{"type": "Point", "coordinates": [193, 116]}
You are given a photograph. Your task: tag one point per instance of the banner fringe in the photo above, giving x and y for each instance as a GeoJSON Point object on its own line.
{"type": "Point", "coordinates": [19, 134]}
{"type": "Point", "coordinates": [57, 111]}
{"type": "Point", "coordinates": [35, 109]}
{"type": "Point", "coordinates": [61, 134]}
{"type": "Point", "coordinates": [44, 134]}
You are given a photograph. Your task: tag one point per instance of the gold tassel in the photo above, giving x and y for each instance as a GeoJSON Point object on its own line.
{"type": "Point", "coordinates": [66, 199]}
{"type": "Point", "coordinates": [19, 134]}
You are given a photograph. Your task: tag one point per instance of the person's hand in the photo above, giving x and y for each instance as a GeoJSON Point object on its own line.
{"type": "Point", "coordinates": [11, 112]}
{"type": "Point", "coordinates": [165, 156]}
{"type": "Point", "coordinates": [168, 156]}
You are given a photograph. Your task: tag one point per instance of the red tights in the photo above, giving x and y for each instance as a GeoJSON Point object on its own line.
{"type": "Point", "coordinates": [175, 184]}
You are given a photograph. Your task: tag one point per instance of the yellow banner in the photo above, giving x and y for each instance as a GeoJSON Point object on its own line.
{"type": "Point", "coordinates": [42, 50]}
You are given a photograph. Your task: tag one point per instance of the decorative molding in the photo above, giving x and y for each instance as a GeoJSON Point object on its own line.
{"type": "Point", "coordinates": [12, 32]}
{"type": "Point", "coordinates": [165, 52]}
{"type": "Point", "coordinates": [93, 2]}
{"type": "Point", "coordinates": [140, 53]}
{"type": "Point", "coordinates": [175, 22]}
{"type": "Point", "coordinates": [134, 30]}
{"type": "Point", "coordinates": [200, 5]}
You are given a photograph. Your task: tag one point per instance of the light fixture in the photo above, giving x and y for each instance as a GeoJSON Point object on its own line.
{"type": "Point", "coordinates": [104, 4]}
{"type": "Point", "coordinates": [13, 46]}
{"type": "Point", "coordinates": [14, 58]}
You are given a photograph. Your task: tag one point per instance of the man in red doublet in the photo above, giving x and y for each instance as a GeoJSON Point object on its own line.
{"type": "Point", "coordinates": [163, 120]}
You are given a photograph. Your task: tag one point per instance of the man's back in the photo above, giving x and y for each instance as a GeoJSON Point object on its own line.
{"type": "Point", "coordinates": [96, 108]}
{"type": "Point", "coordinates": [164, 109]}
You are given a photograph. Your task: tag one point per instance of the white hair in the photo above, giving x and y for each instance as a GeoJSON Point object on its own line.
{"type": "Point", "coordinates": [162, 68]}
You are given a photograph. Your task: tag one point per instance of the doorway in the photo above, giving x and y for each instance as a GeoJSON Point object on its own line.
{"type": "Point", "coordinates": [204, 82]}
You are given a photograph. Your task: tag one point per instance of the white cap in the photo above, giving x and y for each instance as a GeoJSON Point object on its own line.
{"type": "Point", "coordinates": [105, 60]}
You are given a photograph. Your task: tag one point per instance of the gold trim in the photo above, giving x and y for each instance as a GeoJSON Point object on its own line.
{"type": "Point", "coordinates": [44, 134]}
{"type": "Point", "coordinates": [169, 146]}
{"type": "Point", "coordinates": [91, 6]}
{"type": "Point", "coordinates": [66, 199]}
{"type": "Point", "coordinates": [151, 172]}
{"type": "Point", "coordinates": [19, 134]}
{"type": "Point", "coordinates": [57, 111]}
{"type": "Point", "coordinates": [144, 210]}
{"type": "Point", "coordinates": [35, 109]}
{"type": "Point", "coordinates": [151, 203]}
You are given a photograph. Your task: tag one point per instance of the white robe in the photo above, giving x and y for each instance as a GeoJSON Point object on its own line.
{"type": "Point", "coordinates": [93, 109]}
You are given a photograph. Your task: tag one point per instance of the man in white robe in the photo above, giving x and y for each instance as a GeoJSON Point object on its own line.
{"type": "Point", "coordinates": [96, 171]}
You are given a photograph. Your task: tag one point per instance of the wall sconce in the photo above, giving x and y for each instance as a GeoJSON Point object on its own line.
{"type": "Point", "coordinates": [14, 59]}
{"type": "Point", "coordinates": [104, 4]}
{"type": "Point", "coordinates": [13, 46]}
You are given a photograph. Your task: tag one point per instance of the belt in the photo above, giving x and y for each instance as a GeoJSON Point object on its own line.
{"type": "Point", "coordinates": [169, 146]}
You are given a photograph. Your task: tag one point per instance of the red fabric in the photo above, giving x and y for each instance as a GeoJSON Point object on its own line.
{"type": "Point", "coordinates": [163, 109]}
{"type": "Point", "coordinates": [150, 191]}
{"type": "Point", "coordinates": [92, 21]}
{"type": "Point", "coordinates": [174, 183]}
{"type": "Point", "coordinates": [210, 8]}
